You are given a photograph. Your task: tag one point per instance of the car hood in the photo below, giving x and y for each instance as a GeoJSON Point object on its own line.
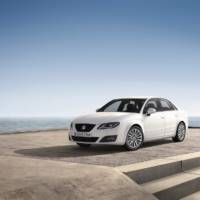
{"type": "Point", "coordinates": [103, 117]}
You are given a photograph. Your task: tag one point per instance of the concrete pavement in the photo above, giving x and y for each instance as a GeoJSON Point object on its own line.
{"type": "Point", "coordinates": [46, 165]}
{"type": "Point", "coordinates": [55, 146]}
{"type": "Point", "coordinates": [29, 178]}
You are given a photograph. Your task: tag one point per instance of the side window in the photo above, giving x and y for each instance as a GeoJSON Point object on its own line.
{"type": "Point", "coordinates": [172, 106]}
{"type": "Point", "coordinates": [165, 105]}
{"type": "Point", "coordinates": [113, 107]}
{"type": "Point", "coordinates": [150, 104]}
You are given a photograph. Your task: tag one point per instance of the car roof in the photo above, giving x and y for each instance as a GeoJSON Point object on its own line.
{"type": "Point", "coordinates": [138, 97]}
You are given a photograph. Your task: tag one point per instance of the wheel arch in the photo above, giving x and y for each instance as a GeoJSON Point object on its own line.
{"type": "Point", "coordinates": [181, 121]}
{"type": "Point", "coordinates": [129, 125]}
{"type": "Point", "coordinates": [137, 125]}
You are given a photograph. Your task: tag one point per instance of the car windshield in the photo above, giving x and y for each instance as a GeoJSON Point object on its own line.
{"type": "Point", "coordinates": [123, 105]}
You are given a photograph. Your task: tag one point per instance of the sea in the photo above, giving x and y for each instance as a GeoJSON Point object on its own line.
{"type": "Point", "coordinates": [194, 122]}
{"type": "Point", "coordinates": [34, 124]}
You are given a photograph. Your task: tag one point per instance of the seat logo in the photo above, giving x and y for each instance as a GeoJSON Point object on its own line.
{"type": "Point", "coordinates": [83, 127]}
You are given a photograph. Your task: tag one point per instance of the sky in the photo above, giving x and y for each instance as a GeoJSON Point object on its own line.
{"type": "Point", "coordinates": [65, 58]}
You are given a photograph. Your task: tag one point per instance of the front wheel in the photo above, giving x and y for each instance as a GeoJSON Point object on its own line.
{"type": "Point", "coordinates": [134, 138]}
{"type": "Point", "coordinates": [180, 133]}
{"type": "Point", "coordinates": [84, 145]}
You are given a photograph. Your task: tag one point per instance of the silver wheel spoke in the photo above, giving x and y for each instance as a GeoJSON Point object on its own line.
{"type": "Point", "coordinates": [134, 137]}
{"type": "Point", "coordinates": [181, 131]}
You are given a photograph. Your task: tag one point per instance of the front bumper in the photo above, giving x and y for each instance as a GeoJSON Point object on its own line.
{"type": "Point", "coordinates": [97, 136]}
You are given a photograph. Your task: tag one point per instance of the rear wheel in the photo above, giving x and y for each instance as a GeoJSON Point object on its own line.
{"type": "Point", "coordinates": [83, 145]}
{"type": "Point", "coordinates": [180, 133]}
{"type": "Point", "coordinates": [134, 138]}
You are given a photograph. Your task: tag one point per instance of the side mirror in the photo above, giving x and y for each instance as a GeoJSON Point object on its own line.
{"type": "Point", "coordinates": [150, 111]}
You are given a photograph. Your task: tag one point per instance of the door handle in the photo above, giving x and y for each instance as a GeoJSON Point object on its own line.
{"type": "Point", "coordinates": [162, 117]}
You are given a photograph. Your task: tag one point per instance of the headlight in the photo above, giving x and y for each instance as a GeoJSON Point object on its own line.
{"type": "Point", "coordinates": [108, 125]}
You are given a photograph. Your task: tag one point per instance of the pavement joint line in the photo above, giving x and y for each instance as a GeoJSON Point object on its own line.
{"type": "Point", "coordinates": [56, 161]}
{"type": "Point", "coordinates": [186, 172]}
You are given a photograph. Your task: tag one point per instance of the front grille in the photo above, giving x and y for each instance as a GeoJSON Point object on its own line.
{"type": "Point", "coordinates": [84, 139]}
{"type": "Point", "coordinates": [84, 127]}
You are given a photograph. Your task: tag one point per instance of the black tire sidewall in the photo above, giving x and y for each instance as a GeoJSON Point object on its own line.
{"type": "Point", "coordinates": [177, 139]}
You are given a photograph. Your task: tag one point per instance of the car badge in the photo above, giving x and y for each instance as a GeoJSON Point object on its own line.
{"type": "Point", "coordinates": [83, 127]}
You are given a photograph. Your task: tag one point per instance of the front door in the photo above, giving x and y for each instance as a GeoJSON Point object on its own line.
{"type": "Point", "coordinates": [154, 125]}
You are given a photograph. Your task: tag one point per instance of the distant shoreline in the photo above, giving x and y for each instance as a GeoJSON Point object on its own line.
{"type": "Point", "coordinates": [40, 125]}
{"type": "Point", "coordinates": [33, 131]}
{"type": "Point", "coordinates": [51, 130]}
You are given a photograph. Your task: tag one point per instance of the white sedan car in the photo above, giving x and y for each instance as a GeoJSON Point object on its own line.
{"type": "Point", "coordinates": [130, 122]}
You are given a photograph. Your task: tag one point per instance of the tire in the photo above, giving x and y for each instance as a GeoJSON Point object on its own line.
{"type": "Point", "coordinates": [180, 133]}
{"type": "Point", "coordinates": [84, 145]}
{"type": "Point", "coordinates": [134, 138]}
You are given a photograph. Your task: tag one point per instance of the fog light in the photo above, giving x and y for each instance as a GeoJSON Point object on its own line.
{"type": "Point", "coordinates": [109, 138]}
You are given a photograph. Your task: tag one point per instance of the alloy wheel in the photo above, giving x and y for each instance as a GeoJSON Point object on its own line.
{"type": "Point", "coordinates": [134, 138]}
{"type": "Point", "coordinates": [181, 131]}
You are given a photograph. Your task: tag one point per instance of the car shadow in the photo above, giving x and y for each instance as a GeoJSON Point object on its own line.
{"type": "Point", "coordinates": [76, 151]}
{"type": "Point", "coordinates": [157, 142]}
{"type": "Point", "coordinates": [69, 151]}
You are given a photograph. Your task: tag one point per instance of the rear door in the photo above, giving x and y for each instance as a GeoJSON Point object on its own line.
{"type": "Point", "coordinates": [170, 116]}
{"type": "Point", "coordinates": [154, 125]}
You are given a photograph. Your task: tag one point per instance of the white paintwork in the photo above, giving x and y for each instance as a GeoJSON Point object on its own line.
{"type": "Point", "coordinates": [153, 126]}
{"type": "Point", "coordinates": [156, 126]}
